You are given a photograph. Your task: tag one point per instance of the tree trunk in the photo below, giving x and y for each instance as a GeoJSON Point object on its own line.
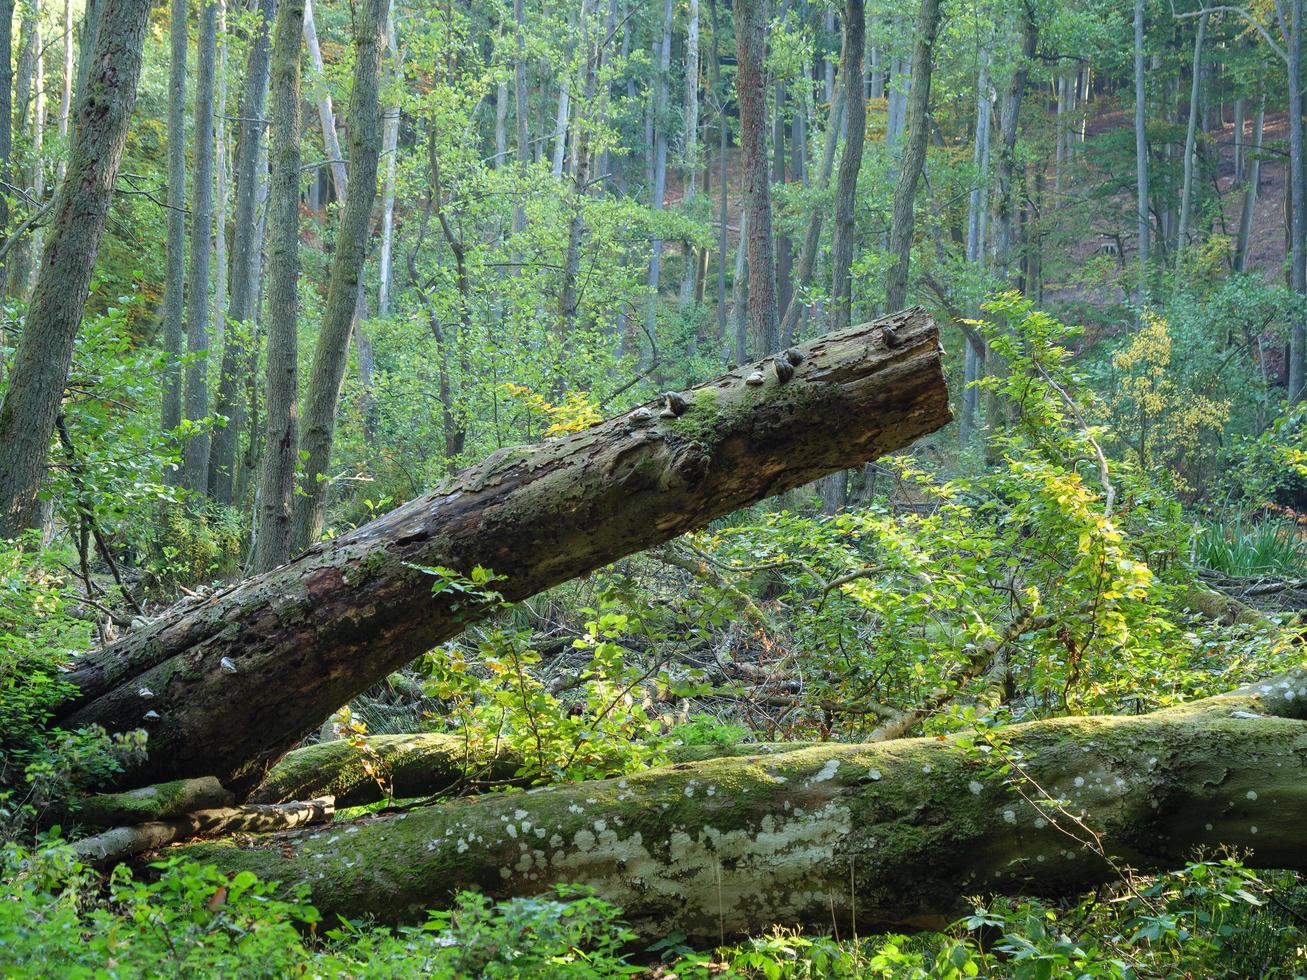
{"type": "Point", "coordinates": [977, 216]}
{"type": "Point", "coordinates": [859, 837]}
{"type": "Point", "coordinates": [246, 672]}
{"type": "Point", "coordinates": [390, 150]}
{"type": "Point", "coordinates": [846, 183]}
{"type": "Point", "coordinates": [45, 350]}
{"type": "Point", "coordinates": [1009, 115]}
{"type": "Point", "coordinates": [332, 352]}
{"type": "Point", "coordinates": [174, 285]}
{"type": "Point", "coordinates": [519, 100]}
{"type": "Point", "coordinates": [247, 243]}
{"type": "Point", "coordinates": [914, 156]}
{"type": "Point", "coordinates": [658, 187]}
{"type": "Point", "coordinates": [1191, 135]}
{"type": "Point", "coordinates": [1298, 223]}
{"type": "Point", "coordinates": [281, 416]}
{"type": "Point", "coordinates": [195, 461]}
{"type": "Point", "coordinates": [750, 33]}
{"type": "Point", "coordinates": [812, 240]}
{"type": "Point", "coordinates": [690, 159]}
{"type": "Point", "coordinates": [221, 196]}
{"type": "Point", "coordinates": [326, 112]}
{"type": "Point", "coordinates": [1141, 152]}
{"type": "Point", "coordinates": [29, 56]}
{"type": "Point", "coordinates": [1254, 169]}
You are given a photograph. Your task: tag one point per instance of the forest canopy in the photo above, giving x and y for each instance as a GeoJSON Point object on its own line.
{"type": "Point", "coordinates": [670, 488]}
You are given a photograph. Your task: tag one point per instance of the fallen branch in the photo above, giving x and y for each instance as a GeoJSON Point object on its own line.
{"type": "Point", "coordinates": [123, 842]}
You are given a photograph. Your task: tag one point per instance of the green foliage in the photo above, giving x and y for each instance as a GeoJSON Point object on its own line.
{"type": "Point", "coordinates": [40, 633]}
{"type": "Point", "coordinates": [1252, 547]}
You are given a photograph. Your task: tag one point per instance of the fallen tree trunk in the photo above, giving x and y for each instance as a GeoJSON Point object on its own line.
{"type": "Point", "coordinates": [426, 764]}
{"type": "Point", "coordinates": [122, 842]}
{"type": "Point", "coordinates": [149, 803]}
{"type": "Point", "coordinates": [225, 685]}
{"type": "Point", "coordinates": [845, 836]}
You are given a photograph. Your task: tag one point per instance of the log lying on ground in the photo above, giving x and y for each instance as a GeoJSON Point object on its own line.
{"type": "Point", "coordinates": [227, 684]}
{"type": "Point", "coordinates": [122, 842]}
{"type": "Point", "coordinates": [159, 802]}
{"type": "Point", "coordinates": [425, 764]}
{"type": "Point", "coordinates": [846, 836]}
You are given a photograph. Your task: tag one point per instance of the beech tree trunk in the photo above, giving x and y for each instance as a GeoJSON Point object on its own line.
{"type": "Point", "coordinates": [195, 459]}
{"type": "Point", "coordinates": [1141, 152]}
{"type": "Point", "coordinates": [174, 284]}
{"type": "Point", "coordinates": [332, 351]}
{"type": "Point", "coordinates": [914, 156]}
{"type": "Point", "coordinates": [247, 242]}
{"type": "Point", "coordinates": [890, 835]}
{"type": "Point", "coordinates": [750, 33]}
{"type": "Point", "coordinates": [846, 184]}
{"type": "Point", "coordinates": [45, 350]}
{"type": "Point", "coordinates": [226, 684]}
{"type": "Point", "coordinates": [281, 417]}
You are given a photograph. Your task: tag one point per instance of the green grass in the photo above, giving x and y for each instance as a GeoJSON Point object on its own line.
{"type": "Point", "coordinates": [1246, 547]}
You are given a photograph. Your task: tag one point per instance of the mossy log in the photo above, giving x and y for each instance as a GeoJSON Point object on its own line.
{"type": "Point", "coordinates": [159, 802]}
{"type": "Point", "coordinates": [122, 842]}
{"type": "Point", "coordinates": [425, 764]}
{"type": "Point", "coordinates": [842, 836]}
{"type": "Point", "coordinates": [226, 684]}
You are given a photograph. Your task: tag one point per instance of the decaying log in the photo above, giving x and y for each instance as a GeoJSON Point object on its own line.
{"type": "Point", "coordinates": [426, 764]}
{"type": "Point", "coordinates": [226, 685]}
{"type": "Point", "coordinates": [847, 836]}
{"type": "Point", "coordinates": [159, 802]}
{"type": "Point", "coordinates": [122, 842]}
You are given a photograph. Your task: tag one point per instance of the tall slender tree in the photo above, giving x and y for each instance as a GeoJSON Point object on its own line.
{"type": "Point", "coordinates": [174, 283]}
{"type": "Point", "coordinates": [846, 183]}
{"type": "Point", "coordinates": [1191, 134]}
{"type": "Point", "coordinates": [1141, 152]}
{"type": "Point", "coordinates": [331, 353]}
{"type": "Point", "coordinates": [751, 44]}
{"type": "Point", "coordinates": [247, 243]}
{"type": "Point", "coordinates": [45, 349]}
{"type": "Point", "coordinates": [914, 155]}
{"type": "Point", "coordinates": [195, 460]}
{"type": "Point", "coordinates": [281, 416]}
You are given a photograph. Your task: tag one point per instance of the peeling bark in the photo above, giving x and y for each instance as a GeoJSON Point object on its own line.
{"type": "Point", "coordinates": [859, 836]}
{"type": "Point", "coordinates": [241, 674]}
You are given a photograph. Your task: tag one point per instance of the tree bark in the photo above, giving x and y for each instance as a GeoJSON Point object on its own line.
{"type": "Point", "coordinates": [846, 183]}
{"type": "Point", "coordinates": [122, 842]}
{"type": "Point", "coordinates": [812, 240]}
{"type": "Point", "coordinates": [1141, 152]}
{"type": "Point", "coordinates": [281, 416]}
{"type": "Point", "coordinates": [45, 350]}
{"type": "Point", "coordinates": [750, 33]}
{"type": "Point", "coordinates": [914, 156]}
{"type": "Point", "coordinates": [174, 285]}
{"type": "Point", "coordinates": [1253, 166]}
{"type": "Point", "coordinates": [390, 150]}
{"type": "Point", "coordinates": [195, 459]}
{"type": "Point", "coordinates": [247, 243]}
{"type": "Point", "coordinates": [424, 764]}
{"type": "Point", "coordinates": [891, 835]}
{"type": "Point", "coordinates": [332, 351]}
{"type": "Point", "coordinates": [690, 158]}
{"type": "Point", "coordinates": [1009, 116]}
{"type": "Point", "coordinates": [1298, 221]}
{"type": "Point", "coordinates": [244, 673]}
{"type": "Point", "coordinates": [658, 189]}
{"type": "Point", "coordinates": [1191, 136]}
